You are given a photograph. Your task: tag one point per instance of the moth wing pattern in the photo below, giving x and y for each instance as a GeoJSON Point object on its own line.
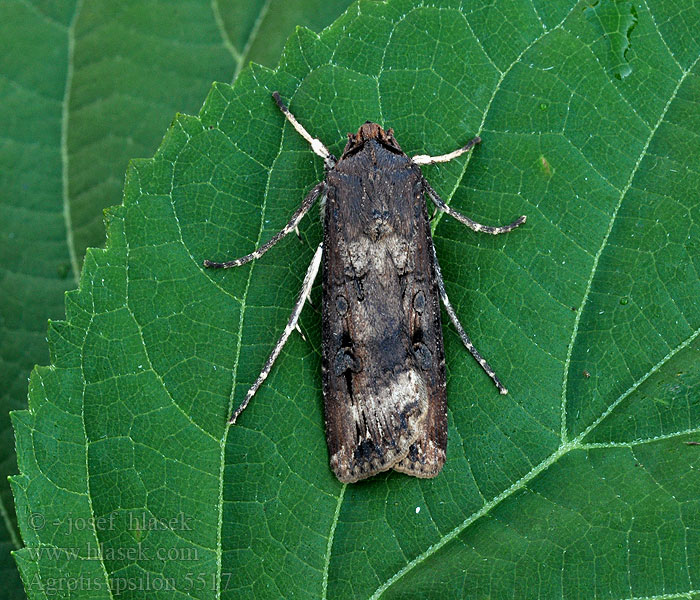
{"type": "Point", "coordinates": [426, 455]}
{"type": "Point", "coordinates": [383, 358]}
{"type": "Point", "coordinates": [383, 364]}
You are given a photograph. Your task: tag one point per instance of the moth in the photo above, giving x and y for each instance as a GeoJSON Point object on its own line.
{"type": "Point", "coordinates": [383, 358]}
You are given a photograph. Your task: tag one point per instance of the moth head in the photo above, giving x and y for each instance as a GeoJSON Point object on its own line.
{"type": "Point", "coordinates": [371, 131]}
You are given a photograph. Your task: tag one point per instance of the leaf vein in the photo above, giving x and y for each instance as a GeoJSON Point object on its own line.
{"type": "Point", "coordinates": [65, 123]}
{"type": "Point", "coordinates": [637, 383]}
{"type": "Point", "coordinates": [225, 38]}
{"type": "Point", "coordinates": [603, 245]}
{"type": "Point", "coordinates": [329, 546]}
{"type": "Point", "coordinates": [640, 441]}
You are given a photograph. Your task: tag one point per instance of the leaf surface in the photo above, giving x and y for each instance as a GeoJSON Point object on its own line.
{"type": "Point", "coordinates": [580, 483]}
{"type": "Point", "coordinates": [84, 86]}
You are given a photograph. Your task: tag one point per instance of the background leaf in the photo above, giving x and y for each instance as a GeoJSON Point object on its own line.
{"type": "Point", "coordinates": [571, 486]}
{"type": "Point", "coordinates": [85, 86]}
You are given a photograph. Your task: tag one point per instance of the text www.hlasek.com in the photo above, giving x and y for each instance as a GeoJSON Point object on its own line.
{"type": "Point", "coordinates": [99, 551]}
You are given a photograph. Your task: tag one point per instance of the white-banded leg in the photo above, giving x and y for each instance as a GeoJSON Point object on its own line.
{"type": "Point", "coordinates": [424, 159]}
{"type": "Point", "coordinates": [291, 326]}
{"type": "Point", "coordinates": [316, 144]}
{"type": "Point", "coordinates": [460, 330]}
{"type": "Point", "coordinates": [440, 203]}
{"type": "Point", "coordinates": [308, 202]}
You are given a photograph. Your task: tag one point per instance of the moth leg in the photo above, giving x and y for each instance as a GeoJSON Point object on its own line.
{"type": "Point", "coordinates": [308, 202]}
{"type": "Point", "coordinates": [424, 159]}
{"type": "Point", "coordinates": [439, 202]}
{"type": "Point", "coordinates": [460, 330]}
{"type": "Point", "coordinates": [291, 326]}
{"type": "Point", "coordinates": [316, 144]}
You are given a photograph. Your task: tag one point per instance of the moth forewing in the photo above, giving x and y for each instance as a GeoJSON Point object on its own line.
{"type": "Point", "coordinates": [383, 358]}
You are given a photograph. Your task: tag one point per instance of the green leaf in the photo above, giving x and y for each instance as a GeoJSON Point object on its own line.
{"type": "Point", "coordinates": [84, 87]}
{"type": "Point", "coordinates": [615, 22]}
{"type": "Point", "coordinates": [580, 483]}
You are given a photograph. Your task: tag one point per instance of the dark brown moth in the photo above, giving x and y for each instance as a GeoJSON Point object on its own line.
{"type": "Point", "coordinates": [383, 357]}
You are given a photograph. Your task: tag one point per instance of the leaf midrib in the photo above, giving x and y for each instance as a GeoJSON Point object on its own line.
{"type": "Point", "coordinates": [252, 35]}
{"type": "Point", "coordinates": [65, 124]}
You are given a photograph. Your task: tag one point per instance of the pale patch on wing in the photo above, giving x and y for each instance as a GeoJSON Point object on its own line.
{"type": "Point", "coordinates": [386, 425]}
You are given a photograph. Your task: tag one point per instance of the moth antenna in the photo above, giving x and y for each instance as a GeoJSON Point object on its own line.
{"type": "Point", "coordinates": [424, 159]}
{"type": "Point", "coordinates": [316, 144]}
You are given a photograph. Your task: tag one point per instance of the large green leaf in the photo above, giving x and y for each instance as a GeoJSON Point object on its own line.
{"type": "Point", "coordinates": [580, 483]}
{"type": "Point", "coordinates": [84, 87]}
